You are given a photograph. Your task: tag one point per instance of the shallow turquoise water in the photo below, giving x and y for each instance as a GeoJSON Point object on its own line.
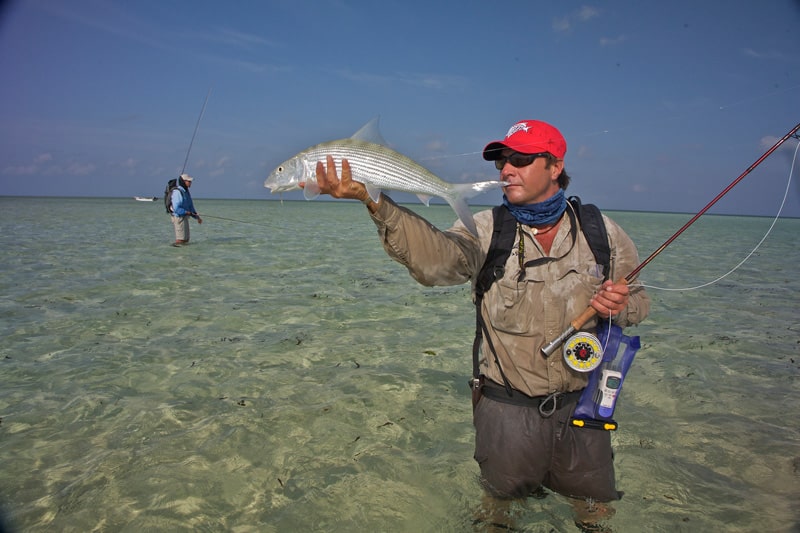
{"type": "Point", "coordinates": [281, 373]}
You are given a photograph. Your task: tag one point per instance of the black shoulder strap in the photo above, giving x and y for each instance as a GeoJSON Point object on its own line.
{"type": "Point", "coordinates": [503, 236]}
{"type": "Point", "coordinates": [594, 229]}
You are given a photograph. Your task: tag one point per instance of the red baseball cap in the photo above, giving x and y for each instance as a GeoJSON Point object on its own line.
{"type": "Point", "coordinates": [529, 137]}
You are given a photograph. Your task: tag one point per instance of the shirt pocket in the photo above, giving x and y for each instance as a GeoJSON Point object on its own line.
{"type": "Point", "coordinates": [564, 288]}
{"type": "Point", "coordinates": [572, 287]}
{"type": "Point", "coordinates": [510, 307]}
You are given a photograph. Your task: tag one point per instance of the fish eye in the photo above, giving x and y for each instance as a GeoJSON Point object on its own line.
{"type": "Point", "coordinates": [280, 169]}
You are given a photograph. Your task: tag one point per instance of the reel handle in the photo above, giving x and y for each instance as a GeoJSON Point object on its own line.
{"type": "Point", "coordinates": [574, 326]}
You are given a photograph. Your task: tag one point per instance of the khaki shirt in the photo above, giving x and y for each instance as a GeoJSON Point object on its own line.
{"type": "Point", "coordinates": [521, 316]}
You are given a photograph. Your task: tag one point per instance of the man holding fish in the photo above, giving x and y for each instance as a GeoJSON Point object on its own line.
{"type": "Point", "coordinates": [524, 440]}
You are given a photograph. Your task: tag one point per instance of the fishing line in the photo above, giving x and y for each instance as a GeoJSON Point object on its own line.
{"type": "Point", "coordinates": [590, 312]}
{"type": "Point", "coordinates": [748, 256]}
{"type": "Point", "coordinates": [196, 126]}
{"type": "Point", "coordinates": [239, 221]}
{"type": "Point", "coordinates": [647, 125]}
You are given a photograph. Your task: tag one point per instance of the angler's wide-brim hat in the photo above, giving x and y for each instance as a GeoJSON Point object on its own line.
{"type": "Point", "coordinates": [186, 177]}
{"type": "Point", "coordinates": [528, 137]}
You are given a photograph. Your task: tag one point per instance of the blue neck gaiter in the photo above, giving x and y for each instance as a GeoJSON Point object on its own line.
{"type": "Point", "coordinates": [541, 213]}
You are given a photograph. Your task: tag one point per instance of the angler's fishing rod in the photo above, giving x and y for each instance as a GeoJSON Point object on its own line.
{"type": "Point", "coordinates": [196, 126]}
{"type": "Point", "coordinates": [239, 221]}
{"type": "Point", "coordinates": [590, 312]}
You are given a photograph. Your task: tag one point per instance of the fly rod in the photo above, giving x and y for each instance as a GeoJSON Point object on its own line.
{"type": "Point", "coordinates": [590, 312]}
{"type": "Point", "coordinates": [196, 126]}
{"type": "Point", "coordinates": [239, 221]}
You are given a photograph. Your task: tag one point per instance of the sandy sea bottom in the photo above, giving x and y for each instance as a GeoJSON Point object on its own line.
{"type": "Point", "coordinates": [280, 373]}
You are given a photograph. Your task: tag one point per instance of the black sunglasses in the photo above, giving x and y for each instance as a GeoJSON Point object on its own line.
{"type": "Point", "coordinates": [517, 160]}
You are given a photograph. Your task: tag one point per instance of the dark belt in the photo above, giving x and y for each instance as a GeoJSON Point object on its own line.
{"type": "Point", "coordinates": [546, 405]}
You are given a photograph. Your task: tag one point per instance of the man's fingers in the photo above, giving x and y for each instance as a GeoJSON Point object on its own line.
{"type": "Point", "coordinates": [331, 175]}
{"type": "Point", "coordinates": [347, 174]}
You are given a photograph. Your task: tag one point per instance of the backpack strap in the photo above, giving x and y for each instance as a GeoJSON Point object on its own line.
{"type": "Point", "coordinates": [503, 235]}
{"type": "Point", "coordinates": [171, 186]}
{"type": "Point", "coordinates": [594, 229]}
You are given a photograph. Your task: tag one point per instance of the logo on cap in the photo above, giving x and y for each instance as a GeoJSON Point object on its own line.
{"type": "Point", "coordinates": [519, 126]}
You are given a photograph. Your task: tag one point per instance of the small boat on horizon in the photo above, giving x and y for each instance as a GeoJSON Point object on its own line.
{"type": "Point", "coordinates": [145, 199]}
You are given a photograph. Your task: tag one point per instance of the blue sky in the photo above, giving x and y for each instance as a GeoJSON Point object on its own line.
{"type": "Point", "coordinates": [662, 103]}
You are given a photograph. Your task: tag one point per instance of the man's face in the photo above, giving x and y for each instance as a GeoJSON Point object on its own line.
{"type": "Point", "coordinates": [532, 183]}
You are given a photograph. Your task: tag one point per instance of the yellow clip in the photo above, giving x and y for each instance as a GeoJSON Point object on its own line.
{"type": "Point", "coordinates": [594, 424]}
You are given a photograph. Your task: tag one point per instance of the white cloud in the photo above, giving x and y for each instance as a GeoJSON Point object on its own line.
{"type": "Point", "coordinates": [31, 169]}
{"type": "Point", "coordinates": [749, 52]}
{"type": "Point", "coordinates": [561, 25]}
{"type": "Point", "coordinates": [21, 170]}
{"type": "Point", "coordinates": [237, 38]}
{"type": "Point", "coordinates": [583, 14]}
{"type": "Point", "coordinates": [607, 41]}
{"type": "Point", "coordinates": [81, 169]}
{"type": "Point", "coordinates": [436, 145]}
{"type": "Point", "coordinates": [428, 81]}
{"type": "Point", "coordinates": [587, 13]}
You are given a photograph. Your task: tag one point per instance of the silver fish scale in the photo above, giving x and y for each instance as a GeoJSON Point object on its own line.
{"type": "Point", "coordinates": [379, 166]}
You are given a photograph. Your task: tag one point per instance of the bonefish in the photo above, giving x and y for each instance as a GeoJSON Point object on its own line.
{"type": "Point", "coordinates": [378, 167]}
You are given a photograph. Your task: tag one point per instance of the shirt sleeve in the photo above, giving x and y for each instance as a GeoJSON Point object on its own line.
{"type": "Point", "coordinates": [432, 257]}
{"type": "Point", "coordinates": [624, 259]}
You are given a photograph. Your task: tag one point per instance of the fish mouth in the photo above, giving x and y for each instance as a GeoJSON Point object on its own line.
{"type": "Point", "coordinates": [276, 187]}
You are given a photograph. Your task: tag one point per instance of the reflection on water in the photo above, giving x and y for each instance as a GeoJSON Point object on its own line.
{"type": "Point", "coordinates": [280, 373]}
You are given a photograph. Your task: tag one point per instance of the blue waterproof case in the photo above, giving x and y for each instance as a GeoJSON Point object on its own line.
{"type": "Point", "coordinates": [596, 405]}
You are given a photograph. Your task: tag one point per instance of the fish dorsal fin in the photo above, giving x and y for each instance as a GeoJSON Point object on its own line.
{"type": "Point", "coordinates": [370, 132]}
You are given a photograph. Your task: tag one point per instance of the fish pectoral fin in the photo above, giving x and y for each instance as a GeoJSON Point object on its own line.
{"type": "Point", "coordinates": [425, 199]}
{"type": "Point", "coordinates": [374, 192]}
{"type": "Point", "coordinates": [370, 132]}
{"type": "Point", "coordinates": [311, 189]}
{"type": "Point", "coordinates": [464, 213]}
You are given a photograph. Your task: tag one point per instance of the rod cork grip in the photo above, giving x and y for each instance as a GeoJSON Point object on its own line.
{"type": "Point", "coordinates": [583, 318]}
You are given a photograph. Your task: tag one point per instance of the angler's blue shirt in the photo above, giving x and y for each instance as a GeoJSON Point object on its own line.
{"type": "Point", "coordinates": [182, 204]}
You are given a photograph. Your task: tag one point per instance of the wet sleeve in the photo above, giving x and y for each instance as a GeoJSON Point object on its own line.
{"type": "Point", "coordinates": [432, 257]}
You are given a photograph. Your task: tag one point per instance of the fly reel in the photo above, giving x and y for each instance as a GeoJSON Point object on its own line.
{"type": "Point", "coordinates": [583, 352]}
